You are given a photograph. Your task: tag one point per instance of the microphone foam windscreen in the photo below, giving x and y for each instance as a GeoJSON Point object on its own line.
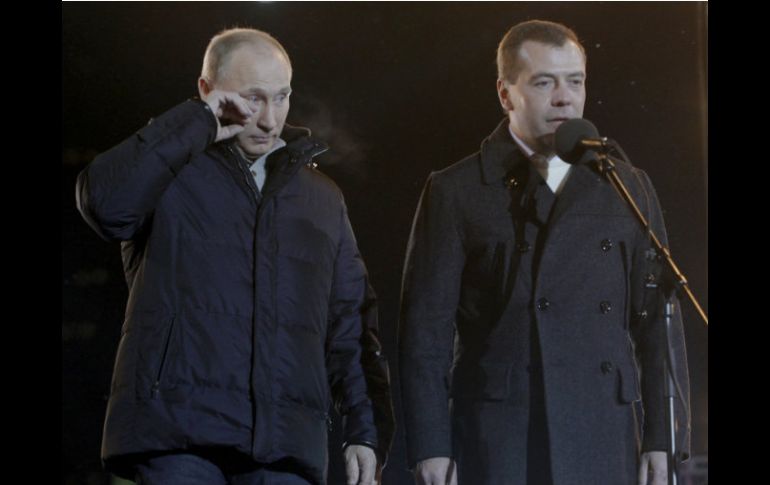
{"type": "Point", "coordinates": [568, 136]}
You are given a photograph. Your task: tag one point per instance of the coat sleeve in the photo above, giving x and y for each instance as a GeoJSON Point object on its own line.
{"type": "Point", "coordinates": [118, 192]}
{"type": "Point", "coordinates": [435, 258]}
{"type": "Point", "coordinates": [377, 374]}
{"type": "Point", "coordinates": [346, 332]}
{"type": "Point", "coordinates": [649, 285]}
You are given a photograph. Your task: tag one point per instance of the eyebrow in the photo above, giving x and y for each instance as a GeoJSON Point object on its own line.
{"type": "Point", "coordinates": [580, 74]}
{"type": "Point", "coordinates": [285, 90]}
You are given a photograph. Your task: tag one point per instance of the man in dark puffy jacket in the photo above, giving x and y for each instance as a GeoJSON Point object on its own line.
{"type": "Point", "coordinates": [249, 308]}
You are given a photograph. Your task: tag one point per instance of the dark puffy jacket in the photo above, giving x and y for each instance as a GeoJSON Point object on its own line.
{"type": "Point", "coordinates": [246, 311]}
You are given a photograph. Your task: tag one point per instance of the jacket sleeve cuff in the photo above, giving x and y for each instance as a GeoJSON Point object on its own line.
{"type": "Point", "coordinates": [191, 123]}
{"type": "Point", "coordinates": [358, 426]}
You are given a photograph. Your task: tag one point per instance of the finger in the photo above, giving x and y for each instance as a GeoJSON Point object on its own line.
{"type": "Point", "coordinates": [432, 479]}
{"type": "Point", "coordinates": [452, 479]}
{"type": "Point", "coordinates": [232, 115]}
{"type": "Point", "coordinates": [351, 468]}
{"type": "Point", "coordinates": [659, 476]}
{"type": "Point", "coordinates": [367, 469]}
{"type": "Point", "coordinates": [419, 479]}
{"type": "Point", "coordinates": [228, 131]}
{"type": "Point", "coordinates": [241, 105]}
{"type": "Point", "coordinates": [643, 473]}
{"type": "Point", "coordinates": [245, 108]}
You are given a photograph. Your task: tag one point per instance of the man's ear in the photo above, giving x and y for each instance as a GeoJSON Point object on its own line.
{"type": "Point", "coordinates": [504, 95]}
{"type": "Point", "coordinates": [204, 87]}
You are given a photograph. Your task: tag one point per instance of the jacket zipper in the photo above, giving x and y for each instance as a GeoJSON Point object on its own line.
{"type": "Point", "coordinates": [162, 366]}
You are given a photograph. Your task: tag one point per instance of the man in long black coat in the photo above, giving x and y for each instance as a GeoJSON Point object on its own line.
{"type": "Point", "coordinates": [531, 335]}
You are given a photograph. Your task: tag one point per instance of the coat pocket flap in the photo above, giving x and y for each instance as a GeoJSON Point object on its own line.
{"type": "Point", "coordinates": [629, 384]}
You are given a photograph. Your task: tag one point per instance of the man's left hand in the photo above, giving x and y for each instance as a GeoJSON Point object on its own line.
{"type": "Point", "coordinates": [361, 465]}
{"type": "Point", "coordinates": [656, 463]}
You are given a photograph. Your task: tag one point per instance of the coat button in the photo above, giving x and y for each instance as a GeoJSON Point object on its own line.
{"type": "Point", "coordinates": [512, 183]}
{"type": "Point", "coordinates": [543, 304]}
{"type": "Point", "coordinates": [523, 246]}
{"type": "Point", "coordinates": [642, 315]}
{"type": "Point", "coordinates": [649, 281]}
{"type": "Point", "coordinates": [651, 255]}
{"type": "Point", "coordinates": [607, 367]}
{"type": "Point", "coordinates": [605, 307]}
{"type": "Point", "coordinates": [606, 245]}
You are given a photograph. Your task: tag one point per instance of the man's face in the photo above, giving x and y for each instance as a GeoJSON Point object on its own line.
{"type": "Point", "coordinates": [549, 90]}
{"type": "Point", "coordinates": [263, 78]}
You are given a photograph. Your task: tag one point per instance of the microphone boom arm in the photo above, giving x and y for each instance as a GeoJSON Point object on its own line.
{"type": "Point", "coordinates": [607, 168]}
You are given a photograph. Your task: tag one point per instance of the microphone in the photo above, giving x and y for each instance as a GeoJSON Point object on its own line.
{"type": "Point", "coordinates": [575, 140]}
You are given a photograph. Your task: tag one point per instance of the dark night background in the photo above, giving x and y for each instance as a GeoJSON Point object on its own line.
{"type": "Point", "coordinates": [397, 90]}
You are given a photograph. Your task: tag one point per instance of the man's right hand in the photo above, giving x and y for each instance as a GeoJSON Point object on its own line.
{"type": "Point", "coordinates": [231, 111]}
{"type": "Point", "coordinates": [436, 471]}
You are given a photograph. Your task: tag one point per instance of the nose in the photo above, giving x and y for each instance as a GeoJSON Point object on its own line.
{"type": "Point", "coordinates": [561, 95]}
{"type": "Point", "coordinates": [266, 117]}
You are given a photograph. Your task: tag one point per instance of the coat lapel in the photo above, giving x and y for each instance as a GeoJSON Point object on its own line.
{"type": "Point", "coordinates": [501, 160]}
{"type": "Point", "coordinates": [582, 184]}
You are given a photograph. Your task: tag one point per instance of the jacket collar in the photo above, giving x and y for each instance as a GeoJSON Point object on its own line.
{"type": "Point", "coordinates": [502, 161]}
{"type": "Point", "coordinates": [282, 164]}
{"type": "Point", "coordinates": [500, 155]}
{"type": "Point", "coordinates": [582, 181]}
{"type": "Point", "coordinates": [300, 144]}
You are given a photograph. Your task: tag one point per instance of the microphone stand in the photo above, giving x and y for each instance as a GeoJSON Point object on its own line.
{"type": "Point", "coordinates": [668, 371]}
{"type": "Point", "coordinates": [607, 168]}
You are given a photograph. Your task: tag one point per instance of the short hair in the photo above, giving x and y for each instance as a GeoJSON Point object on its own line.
{"type": "Point", "coordinates": [508, 65]}
{"type": "Point", "coordinates": [223, 44]}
